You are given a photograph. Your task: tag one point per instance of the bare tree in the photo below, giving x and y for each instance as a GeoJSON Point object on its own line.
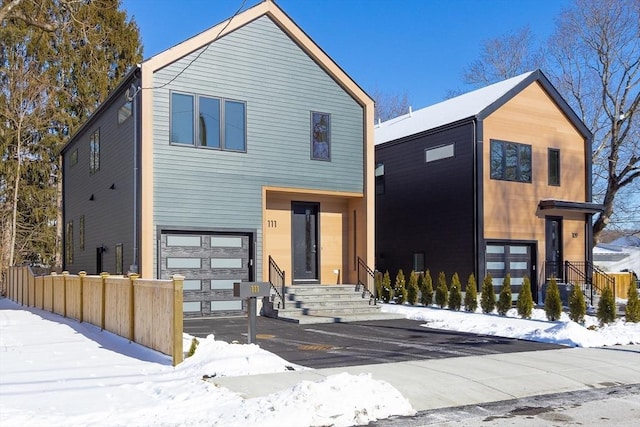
{"type": "Point", "coordinates": [504, 57]}
{"type": "Point", "coordinates": [388, 105]}
{"type": "Point", "coordinates": [595, 64]}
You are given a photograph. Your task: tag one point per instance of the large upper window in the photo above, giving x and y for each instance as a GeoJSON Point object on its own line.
{"type": "Point", "coordinates": [554, 166]}
{"type": "Point", "coordinates": [94, 152]}
{"type": "Point", "coordinates": [510, 161]}
{"type": "Point", "coordinates": [221, 123]}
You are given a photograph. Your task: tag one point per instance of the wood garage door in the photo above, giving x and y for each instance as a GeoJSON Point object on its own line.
{"type": "Point", "coordinates": [210, 263]}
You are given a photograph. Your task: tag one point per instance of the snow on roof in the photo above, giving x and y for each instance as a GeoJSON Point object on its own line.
{"type": "Point", "coordinates": [461, 107]}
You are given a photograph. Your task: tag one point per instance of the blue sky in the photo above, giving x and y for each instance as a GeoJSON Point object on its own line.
{"type": "Point", "coordinates": [418, 47]}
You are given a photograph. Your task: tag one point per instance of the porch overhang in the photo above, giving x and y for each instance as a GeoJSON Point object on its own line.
{"type": "Point", "coordinates": [558, 206]}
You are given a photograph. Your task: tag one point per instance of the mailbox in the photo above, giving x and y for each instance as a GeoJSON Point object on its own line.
{"type": "Point", "coordinates": [251, 289]}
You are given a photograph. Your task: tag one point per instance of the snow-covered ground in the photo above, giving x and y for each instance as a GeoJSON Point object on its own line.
{"type": "Point", "coordinates": [56, 371]}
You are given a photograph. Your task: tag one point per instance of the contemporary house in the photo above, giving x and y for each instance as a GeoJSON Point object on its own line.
{"type": "Point", "coordinates": [496, 181]}
{"type": "Point", "coordinates": [242, 147]}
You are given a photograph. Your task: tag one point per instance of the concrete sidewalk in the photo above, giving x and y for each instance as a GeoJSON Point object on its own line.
{"type": "Point", "coordinates": [443, 383]}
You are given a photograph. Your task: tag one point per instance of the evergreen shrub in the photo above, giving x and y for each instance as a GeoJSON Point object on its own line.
{"type": "Point", "coordinates": [525, 299]}
{"type": "Point", "coordinates": [387, 291]}
{"type": "Point", "coordinates": [577, 305]}
{"type": "Point", "coordinates": [455, 295]}
{"type": "Point", "coordinates": [488, 297]}
{"type": "Point", "coordinates": [426, 297]}
{"type": "Point", "coordinates": [552, 301]}
{"type": "Point", "coordinates": [606, 312]}
{"type": "Point", "coordinates": [471, 295]}
{"type": "Point", "coordinates": [632, 311]}
{"type": "Point", "coordinates": [400, 289]}
{"type": "Point", "coordinates": [412, 288]}
{"type": "Point", "coordinates": [504, 300]}
{"type": "Point", "coordinates": [442, 292]}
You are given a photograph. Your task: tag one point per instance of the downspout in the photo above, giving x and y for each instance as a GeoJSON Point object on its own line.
{"type": "Point", "coordinates": [475, 202]}
{"type": "Point", "coordinates": [133, 98]}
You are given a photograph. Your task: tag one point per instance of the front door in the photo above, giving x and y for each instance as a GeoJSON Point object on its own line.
{"type": "Point", "coordinates": [304, 224]}
{"type": "Point", "coordinates": [553, 237]}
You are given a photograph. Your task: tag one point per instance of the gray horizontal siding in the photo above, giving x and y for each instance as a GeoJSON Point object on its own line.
{"type": "Point", "coordinates": [281, 85]}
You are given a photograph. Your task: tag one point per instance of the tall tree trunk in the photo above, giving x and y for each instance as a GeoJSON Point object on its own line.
{"type": "Point", "coordinates": [14, 212]}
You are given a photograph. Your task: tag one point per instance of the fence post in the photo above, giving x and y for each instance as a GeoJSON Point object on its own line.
{"type": "Point", "coordinates": [178, 283]}
{"type": "Point", "coordinates": [82, 275]}
{"type": "Point", "coordinates": [65, 274]}
{"type": "Point", "coordinates": [53, 293]}
{"type": "Point", "coordinates": [132, 309]}
{"type": "Point", "coordinates": [103, 298]}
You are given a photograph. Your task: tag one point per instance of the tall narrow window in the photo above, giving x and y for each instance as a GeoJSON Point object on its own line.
{"type": "Point", "coordinates": [119, 258]}
{"type": "Point", "coordinates": [182, 118]}
{"type": "Point", "coordinates": [69, 243]}
{"type": "Point", "coordinates": [554, 166]}
{"type": "Point", "coordinates": [320, 136]}
{"type": "Point", "coordinates": [81, 233]}
{"type": "Point", "coordinates": [209, 122]}
{"type": "Point", "coordinates": [418, 261]}
{"type": "Point", "coordinates": [124, 112]}
{"type": "Point", "coordinates": [379, 174]}
{"type": "Point", "coordinates": [510, 161]}
{"type": "Point", "coordinates": [94, 152]}
{"type": "Point", "coordinates": [234, 126]}
{"type": "Point", "coordinates": [74, 157]}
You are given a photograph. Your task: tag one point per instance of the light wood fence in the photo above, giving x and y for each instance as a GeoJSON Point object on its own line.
{"type": "Point", "coordinates": [148, 312]}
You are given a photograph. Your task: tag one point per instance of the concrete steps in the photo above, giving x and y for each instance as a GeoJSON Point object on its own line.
{"type": "Point", "coordinates": [308, 304]}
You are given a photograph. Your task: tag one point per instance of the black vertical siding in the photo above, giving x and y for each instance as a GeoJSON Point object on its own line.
{"type": "Point", "coordinates": [427, 207]}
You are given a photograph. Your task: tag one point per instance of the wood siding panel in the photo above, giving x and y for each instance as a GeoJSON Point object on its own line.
{"type": "Point", "coordinates": [511, 208]}
{"type": "Point", "coordinates": [108, 219]}
{"type": "Point", "coordinates": [427, 207]}
{"type": "Point", "coordinates": [281, 85]}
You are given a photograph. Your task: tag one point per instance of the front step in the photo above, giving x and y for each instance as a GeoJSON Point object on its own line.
{"type": "Point", "coordinates": [309, 304]}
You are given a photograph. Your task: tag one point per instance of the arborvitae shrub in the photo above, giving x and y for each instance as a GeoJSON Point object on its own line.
{"type": "Point", "coordinates": [455, 295]}
{"type": "Point", "coordinates": [471, 295]}
{"type": "Point", "coordinates": [552, 301]}
{"type": "Point", "coordinates": [488, 297]}
{"type": "Point", "coordinates": [442, 292]}
{"type": "Point", "coordinates": [632, 311]}
{"type": "Point", "coordinates": [577, 305]}
{"type": "Point", "coordinates": [426, 297]}
{"type": "Point", "coordinates": [387, 291]}
{"type": "Point", "coordinates": [504, 300]}
{"type": "Point", "coordinates": [606, 312]}
{"type": "Point", "coordinates": [378, 283]}
{"type": "Point", "coordinates": [192, 349]}
{"type": "Point", "coordinates": [400, 289]}
{"type": "Point", "coordinates": [525, 300]}
{"type": "Point", "coordinates": [412, 288]}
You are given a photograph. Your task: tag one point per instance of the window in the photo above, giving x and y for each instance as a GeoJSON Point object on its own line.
{"type": "Point", "coordinates": [510, 161]}
{"type": "Point", "coordinates": [69, 243]}
{"type": "Point", "coordinates": [379, 173]}
{"type": "Point", "coordinates": [320, 136]}
{"type": "Point", "coordinates": [119, 258]}
{"type": "Point", "coordinates": [418, 261]}
{"type": "Point", "coordinates": [94, 152]}
{"type": "Point", "coordinates": [554, 166]}
{"type": "Point", "coordinates": [124, 112]}
{"type": "Point", "coordinates": [81, 236]}
{"type": "Point", "coordinates": [221, 123]}
{"type": "Point", "coordinates": [438, 153]}
{"type": "Point", "coordinates": [73, 158]}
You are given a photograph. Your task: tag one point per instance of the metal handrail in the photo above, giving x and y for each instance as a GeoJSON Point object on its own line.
{"type": "Point", "coordinates": [277, 279]}
{"type": "Point", "coordinates": [366, 280]}
{"type": "Point", "coordinates": [589, 277]}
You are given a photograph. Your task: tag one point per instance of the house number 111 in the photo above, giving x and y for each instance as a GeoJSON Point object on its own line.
{"type": "Point", "coordinates": [271, 223]}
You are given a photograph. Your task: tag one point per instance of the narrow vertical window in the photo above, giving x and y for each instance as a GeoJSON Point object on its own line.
{"type": "Point", "coordinates": [209, 122]}
{"type": "Point", "coordinates": [182, 118]}
{"type": "Point", "coordinates": [69, 243]}
{"type": "Point", "coordinates": [124, 112]}
{"type": "Point", "coordinates": [74, 157]}
{"type": "Point", "coordinates": [418, 261]}
{"type": "Point", "coordinates": [320, 136]}
{"type": "Point", "coordinates": [554, 166]}
{"type": "Point", "coordinates": [94, 152]}
{"type": "Point", "coordinates": [119, 258]}
{"type": "Point", "coordinates": [234, 126]}
{"type": "Point", "coordinates": [81, 233]}
{"type": "Point", "coordinates": [379, 174]}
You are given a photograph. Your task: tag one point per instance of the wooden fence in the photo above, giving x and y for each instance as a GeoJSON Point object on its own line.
{"type": "Point", "coordinates": [622, 280]}
{"type": "Point", "coordinates": [148, 312]}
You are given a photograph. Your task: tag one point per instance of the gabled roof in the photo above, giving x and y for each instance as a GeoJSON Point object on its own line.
{"type": "Point", "coordinates": [477, 104]}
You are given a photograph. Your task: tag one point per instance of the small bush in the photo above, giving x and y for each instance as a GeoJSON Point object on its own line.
{"type": "Point", "coordinates": [577, 305]}
{"type": "Point", "coordinates": [471, 295]}
{"type": "Point", "coordinates": [377, 281]}
{"type": "Point", "coordinates": [488, 297]}
{"type": "Point", "coordinates": [552, 301]}
{"type": "Point", "coordinates": [632, 311]}
{"type": "Point", "coordinates": [387, 291]}
{"type": "Point", "coordinates": [412, 288]}
{"type": "Point", "coordinates": [192, 349]}
{"type": "Point", "coordinates": [606, 312]}
{"type": "Point", "coordinates": [504, 300]}
{"type": "Point", "coordinates": [426, 290]}
{"type": "Point", "coordinates": [400, 289]}
{"type": "Point", "coordinates": [525, 300]}
{"type": "Point", "coordinates": [442, 292]}
{"type": "Point", "coordinates": [455, 295]}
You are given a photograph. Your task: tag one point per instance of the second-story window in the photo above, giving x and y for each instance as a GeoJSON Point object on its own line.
{"type": "Point", "coordinates": [94, 152]}
{"type": "Point", "coordinates": [510, 161]}
{"type": "Point", "coordinates": [221, 123]}
{"type": "Point", "coordinates": [554, 166]}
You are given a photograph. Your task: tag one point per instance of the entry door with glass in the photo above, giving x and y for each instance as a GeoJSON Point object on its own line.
{"type": "Point", "coordinates": [553, 246]}
{"type": "Point", "coordinates": [304, 234]}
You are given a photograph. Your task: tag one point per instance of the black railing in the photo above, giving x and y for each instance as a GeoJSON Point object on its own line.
{"type": "Point", "coordinates": [276, 278]}
{"type": "Point", "coordinates": [591, 280]}
{"type": "Point", "coordinates": [366, 281]}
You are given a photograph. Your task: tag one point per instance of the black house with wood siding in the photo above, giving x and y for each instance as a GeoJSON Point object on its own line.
{"type": "Point", "coordinates": [497, 181]}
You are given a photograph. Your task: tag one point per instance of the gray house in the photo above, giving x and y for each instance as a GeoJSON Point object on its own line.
{"type": "Point", "coordinates": [243, 147]}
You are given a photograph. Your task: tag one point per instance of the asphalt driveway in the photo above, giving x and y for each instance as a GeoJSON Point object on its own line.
{"type": "Point", "coordinates": [359, 343]}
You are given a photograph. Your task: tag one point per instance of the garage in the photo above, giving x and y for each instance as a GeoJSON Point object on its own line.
{"type": "Point", "coordinates": [210, 263]}
{"type": "Point", "coordinates": [514, 258]}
